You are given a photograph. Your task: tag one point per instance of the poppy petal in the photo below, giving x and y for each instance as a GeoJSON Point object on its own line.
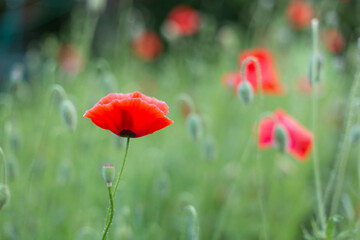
{"type": "Point", "coordinates": [130, 116]}
{"type": "Point", "coordinates": [300, 139]}
{"type": "Point", "coordinates": [270, 82]}
{"type": "Point", "coordinates": [266, 130]}
{"type": "Point", "coordinates": [119, 96]}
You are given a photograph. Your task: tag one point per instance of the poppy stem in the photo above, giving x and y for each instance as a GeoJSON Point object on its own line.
{"type": "Point", "coordinates": [342, 157]}
{"type": "Point", "coordinates": [313, 80]}
{"type": "Point", "coordinates": [258, 154]}
{"type": "Point", "coordinates": [111, 209]}
{"type": "Point", "coordinates": [118, 179]}
{"type": "Point", "coordinates": [4, 165]}
{"type": "Point", "coordinates": [122, 167]}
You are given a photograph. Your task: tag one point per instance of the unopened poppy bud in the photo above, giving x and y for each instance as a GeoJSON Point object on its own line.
{"type": "Point", "coordinates": [108, 172]}
{"type": "Point", "coordinates": [194, 126]}
{"type": "Point", "coordinates": [12, 167]}
{"type": "Point", "coordinates": [318, 68]}
{"type": "Point", "coordinates": [186, 105]}
{"type": "Point", "coordinates": [280, 138]}
{"type": "Point", "coordinates": [16, 76]}
{"type": "Point", "coordinates": [209, 148]}
{"type": "Point", "coordinates": [355, 134]}
{"type": "Point", "coordinates": [69, 114]}
{"type": "Point", "coordinates": [190, 223]}
{"type": "Point", "coordinates": [58, 94]}
{"type": "Point", "coordinates": [4, 195]}
{"type": "Point", "coordinates": [245, 92]}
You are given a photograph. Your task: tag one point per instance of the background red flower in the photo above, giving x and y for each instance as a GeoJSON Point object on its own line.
{"type": "Point", "coordinates": [183, 20]}
{"type": "Point", "coordinates": [70, 59]}
{"type": "Point", "coordinates": [299, 138]}
{"type": "Point", "coordinates": [299, 14]}
{"type": "Point", "coordinates": [147, 45]}
{"type": "Point", "coordinates": [269, 75]}
{"type": "Point", "coordinates": [334, 41]}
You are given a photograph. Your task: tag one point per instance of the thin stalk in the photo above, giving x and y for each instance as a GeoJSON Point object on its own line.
{"type": "Point", "coordinates": [345, 147]}
{"type": "Point", "coordinates": [258, 154]}
{"type": "Point", "coordinates": [314, 74]}
{"type": "Point", "coordinates": [111, 209]}
{"type": "Point", "coordinates": [119, 176]}
{"type": "Point", "coordinates": [342, 157]}
{"type": "Point", "coordinates": [122, 167]}
{"type": "Point", "coordinates": [358, 170]}
{"type": "Point", "coordinates": [4, 165]}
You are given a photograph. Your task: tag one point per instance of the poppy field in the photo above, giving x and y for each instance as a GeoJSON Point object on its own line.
{"type": "Point", "coordinates": [189, 129]}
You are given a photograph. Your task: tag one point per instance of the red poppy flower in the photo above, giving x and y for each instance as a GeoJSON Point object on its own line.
{"type": "Point", "coordinates": [183, 20]}
{"type": "Point", "coordinates": [70, 60]}
{"type": "Point", "coordinates": [334, 41]}
{"type": "Point", "coordinates": [147, 45]}
{"type": "Point", "coordinates": [129, 115]}
{"type": "Point", "coordinates": [299, 14]}
{"type": "Point", "coordinates": [299, 138]}
{"type": "Point", "coordinates": [269, 77]}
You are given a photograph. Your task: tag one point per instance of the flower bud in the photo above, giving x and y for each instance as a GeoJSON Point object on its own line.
{"type": "Point", "coordinates": [4, 195]}
{"type": "Point", "coordinates": [69, 114]}
{"type": "Point", "coordinates": [194, 126]}
{"type": "Point", "coordinates": [280, 138]}
{"type": "Point", "coordinates": [209, 148]}
{"type": "Point", "coordinates": [16, 76]}
{"type": "Point", "coordinates": [58, 94]}
{"type": "Point", "coordinates": [12, 167]}
{"type": "Point", "coordinates": [186, 105]}
{"type": "Point", "coordinates": [190, 223]}
{"type": "Point", "coordinates": [355, 134]}
{"type": "Point", "coordinates": [245, 92]}
{"type": "Point", "coordinates": [314, 78]}
{"type": "Point", "coordinates": [108, 172]}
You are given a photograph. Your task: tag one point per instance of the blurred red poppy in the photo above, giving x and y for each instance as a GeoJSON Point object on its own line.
{"type": "Point", "coordinates": [183, 20]}
{"type": "Point", "coordinates": [129, 115]}
{"type": "Point", "coordinates": [299, 14]}
{"type": "Point", "coordinates": [147, 45]}
{"type": "Point", "coordinates": [299, 142]}
{"type": "Point", "coordinates": [269, 77]}
{"type": "Point", "coordinates": [70, 59]}
{"type": "Point", "coordinates": [334, 41]}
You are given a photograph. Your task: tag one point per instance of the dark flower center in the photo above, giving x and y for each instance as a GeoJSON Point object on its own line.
{"type": "Point", "coordinates": [127, 133]}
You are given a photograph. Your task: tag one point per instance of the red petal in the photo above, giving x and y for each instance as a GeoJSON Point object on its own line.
{"type": "Point", "coordinates": [119, 96]}
{"type": "Point", "coordinates": [269, 77]}
{"type": "Point", "coordinates": [147, 45]}
{"type": "Point", "coordinates": [131, 114]}
{"type": "Point", "coordinates": [266, 130]}
{"type": "Point", "coordinates": [300, 139]}
{"type": "Point", "coordinates": [185, 19]}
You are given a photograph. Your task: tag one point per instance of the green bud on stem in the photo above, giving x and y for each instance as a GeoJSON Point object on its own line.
{"type": "Point", "coordinates": [108, 172]}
